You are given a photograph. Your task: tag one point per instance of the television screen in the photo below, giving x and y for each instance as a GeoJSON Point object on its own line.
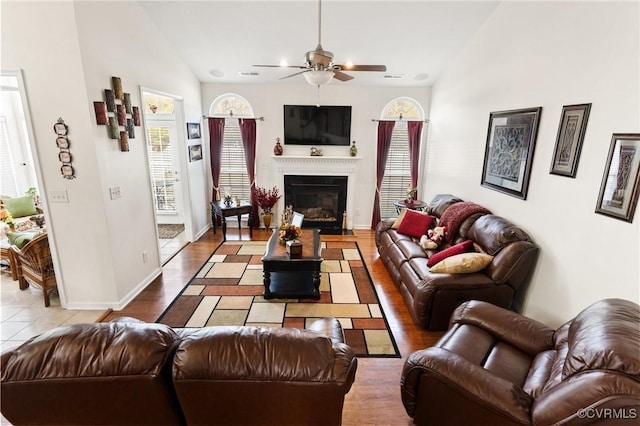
{"type": "Point", "coordinates": [317, 125]}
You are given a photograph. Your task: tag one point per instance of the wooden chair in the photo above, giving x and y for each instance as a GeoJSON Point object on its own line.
{"type": "Point", "coordinates": [34, 266]}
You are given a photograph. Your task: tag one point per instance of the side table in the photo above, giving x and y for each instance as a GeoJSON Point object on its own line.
{"type": "Point", "coordinates": [415, 205]}
{"type": "Point", "coordinates": [220, 210]}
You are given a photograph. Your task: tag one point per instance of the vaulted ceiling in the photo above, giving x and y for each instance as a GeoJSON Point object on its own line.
{"type": "Point", "coordinates": [222, 40]}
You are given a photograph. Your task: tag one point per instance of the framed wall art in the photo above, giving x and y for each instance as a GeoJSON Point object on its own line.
{"type": "Point", "coordinates": [193, 130]}
{"type": "Point", "coordinates": [508, 155]}
{"type": "Point", "coordinates": [195, 152]}
{"type": "Point", "coordinates": [621, 180]}
{"type": "Point", "coordinates": [573, 124]}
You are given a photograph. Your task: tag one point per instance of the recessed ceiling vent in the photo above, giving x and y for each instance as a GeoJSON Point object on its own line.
{"type": "Point", "coordinates": [393, 76]}
{"type": "Point", "coordinates": [249, 73]}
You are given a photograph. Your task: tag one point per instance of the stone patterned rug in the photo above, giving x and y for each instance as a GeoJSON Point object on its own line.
{"type": "Point", "coordinates": [228, 289]}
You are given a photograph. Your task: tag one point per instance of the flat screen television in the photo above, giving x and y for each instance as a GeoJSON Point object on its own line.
{"type": "Point", "coordinates": [317, 125]}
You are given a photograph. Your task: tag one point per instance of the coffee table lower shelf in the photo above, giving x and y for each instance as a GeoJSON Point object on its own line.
{"type": "Point", "coordinates": [292, 285]}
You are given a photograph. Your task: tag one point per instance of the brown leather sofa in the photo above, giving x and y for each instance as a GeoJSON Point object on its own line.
{"type": "Point", "coordinates": [129, 372]}
{"type": "Point", "coordinates": [432, 297]}
{"type": "Point", "coordinates": [496, 367]}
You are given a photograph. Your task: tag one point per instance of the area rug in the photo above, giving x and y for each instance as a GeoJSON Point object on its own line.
{"type": "Point", "coordinates": [228, 290]}
{"type": "Point", "coordinates": [167, 231]}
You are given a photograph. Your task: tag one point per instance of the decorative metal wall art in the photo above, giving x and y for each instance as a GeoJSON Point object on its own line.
{"type": "Point", "coordinates": [62, 142]}
{"type": "Point", "coordinates": [117, 113]}
{"type": "Point", "coordinates": [508, 155]}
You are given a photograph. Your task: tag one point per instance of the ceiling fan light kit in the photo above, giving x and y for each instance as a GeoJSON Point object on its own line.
{"type": "Point", "coordinates": [318, 77]}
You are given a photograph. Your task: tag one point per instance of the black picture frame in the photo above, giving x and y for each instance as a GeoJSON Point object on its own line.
{"type": "Point", "coordinates": [195, 153]}
{"type": "Point", "coordinates": [193, 130]}
{"type": "Point", "coordinates": [511, 140]}
{"type": "Point", "coordinates": [620, 185]}
{"type": "Point", "coordinates": [571, 131]}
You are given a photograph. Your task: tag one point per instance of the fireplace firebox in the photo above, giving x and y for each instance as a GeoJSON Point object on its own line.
{"type": "Point", "coordinates": [321, 199]}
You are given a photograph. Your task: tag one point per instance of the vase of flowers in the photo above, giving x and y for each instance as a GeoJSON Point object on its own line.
{"type": "Point", "coordinates": [5, 216]}
{"type": "Point", "coordinates": [411, 194]}
{"type": "Point", "coordinates": [266, 199]}
{"type": "Point", "coordinates": [289, 232]}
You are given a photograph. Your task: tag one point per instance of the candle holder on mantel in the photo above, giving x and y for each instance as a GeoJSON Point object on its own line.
{"type": "Point", "coordinates": [277, 150]}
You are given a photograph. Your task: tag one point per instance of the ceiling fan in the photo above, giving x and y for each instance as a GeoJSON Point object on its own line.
{"type": "Point", "coordinates": [319, 68]}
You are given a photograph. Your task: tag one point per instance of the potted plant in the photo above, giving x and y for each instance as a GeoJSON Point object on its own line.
{"type": "Point", "coordinates": [266, 199]}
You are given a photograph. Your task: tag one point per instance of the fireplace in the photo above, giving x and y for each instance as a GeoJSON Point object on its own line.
{"type": "Point", "coordinates": [321, 199]}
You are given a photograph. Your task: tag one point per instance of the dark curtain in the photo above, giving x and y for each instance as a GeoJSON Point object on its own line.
{"type": "Point", "coordinates": [385, 129]}
{"type": "Point", "coordinates": [248, 132]}
{"type": "Point", "coordinates": [216, 135]}
{"type": "Point", "coordinates": [415, 131]}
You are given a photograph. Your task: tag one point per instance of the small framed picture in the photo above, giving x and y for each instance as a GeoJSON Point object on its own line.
{"type": "Point", "coordinates": [60, 128]}
{"type": "Point", "coordinates": [67, 171]}
{"type": "Point", "coordinates": [621, 180]}
{"type": "Point", "coordinates": [193, 130]}
{"type": "Point", "coordinates": [62, 142]}
{"type": "Point", "coordinates": [195, 153]}
{"type": "Point", "coordinates": [573, 125]}
{"type": "Point", "coordinates": [64, 156]}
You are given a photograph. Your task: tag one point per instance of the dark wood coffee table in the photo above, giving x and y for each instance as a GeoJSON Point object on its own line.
{"type": "Point", "coordinates": [297, 278]}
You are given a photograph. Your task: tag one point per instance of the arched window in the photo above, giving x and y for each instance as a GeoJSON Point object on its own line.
{"type": "Point", "coordinates": [397, 176]}
{"type": "Point", "coordinates": [233, 169]}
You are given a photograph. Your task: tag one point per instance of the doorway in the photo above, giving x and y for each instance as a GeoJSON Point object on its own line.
{"type": "Point", "coordinates": [164, 141]}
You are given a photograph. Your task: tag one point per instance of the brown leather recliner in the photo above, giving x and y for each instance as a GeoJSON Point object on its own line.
{"type": "Point", "coordinates": [496, 367]}
{"type": "Point", "coordinates": [130, 372]}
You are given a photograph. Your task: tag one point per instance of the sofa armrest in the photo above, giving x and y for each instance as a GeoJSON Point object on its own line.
{"type": "Point", "coordinates": [470, 382]}
{"type": "Point", "coordinates": [383, 226]}
{"type": "Point", "coordinates": [528, 335]}
{"type": "Point", "coordinates": [329, 327]}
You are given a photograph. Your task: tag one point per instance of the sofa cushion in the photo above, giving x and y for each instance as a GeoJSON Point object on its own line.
{"type": "Point", "coordinates": [415, 224]}
{"type": "Point", "coordinates": [493, 233]}
{"type": "Point", "coordinates": [440, 203]}
{"type": "Point", "coordinates": [464, 263]}
{"type": "Point", "coordinates": [19, 239]}
{"type": "Point", "coordinates": [604, 336]}
{"type": "Point", "coordinates": [20, 206]}
{"type": "Point", "coordinates": [451, 251]}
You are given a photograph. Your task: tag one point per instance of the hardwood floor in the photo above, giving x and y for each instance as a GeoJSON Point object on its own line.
{"type": "Point", "coordinates": [374, 398]}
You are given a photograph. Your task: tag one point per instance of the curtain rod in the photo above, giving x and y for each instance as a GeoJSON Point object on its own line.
{"type": "Point", "coordinates": [399, 119]}
{"type": "Point", "coordinates": [231, 116]}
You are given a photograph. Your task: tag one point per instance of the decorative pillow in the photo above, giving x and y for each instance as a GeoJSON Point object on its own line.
{"type": "Point", "coordinates": [463, 247]}
{"type": "Point", "coordinates": [464, 263]}
{"type": "Point", "coordinates": [415, 224]}
{"type": "Point", "coordinates": [21, 206]}
{"type": "Point", "coordinates": [19, 239]}
{"type": "Point", "coordinates": [399, 220]}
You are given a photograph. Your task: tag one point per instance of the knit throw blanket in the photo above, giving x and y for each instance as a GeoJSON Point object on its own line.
{"type": "Point", "coordinates": [455, 214]}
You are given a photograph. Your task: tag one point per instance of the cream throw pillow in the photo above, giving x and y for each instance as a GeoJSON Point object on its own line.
{"type": "Point", "coordinates": [464, 263]}
{"type": "Point", "coordinates": [398, 221]}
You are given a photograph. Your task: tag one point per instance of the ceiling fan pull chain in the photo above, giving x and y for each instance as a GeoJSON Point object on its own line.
{"type": "Point", "coordinates": [318, 97]}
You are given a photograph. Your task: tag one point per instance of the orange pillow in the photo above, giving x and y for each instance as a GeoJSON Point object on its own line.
{"type": "Point", "coordinates": [415, 224]}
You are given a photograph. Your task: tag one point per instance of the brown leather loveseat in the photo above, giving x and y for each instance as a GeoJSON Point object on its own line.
{"type": "Point", "coordinates": [432, 297]}
{"type": "Point", "coordinates": [130, 372]}
{"type": "Point", "coordinates": [496, 367]}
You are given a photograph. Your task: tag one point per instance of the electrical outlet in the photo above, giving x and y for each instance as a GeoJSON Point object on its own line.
{"type": "Point", "coordinates": [145, 257]}
{"type": "Point", "coordinates": [58, 196]}
{"type": "Point", "coordinates": [114, 192]}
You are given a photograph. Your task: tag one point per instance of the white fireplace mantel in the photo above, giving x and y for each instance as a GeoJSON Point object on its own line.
{"type": "Point", "coordinates": [321, 166]}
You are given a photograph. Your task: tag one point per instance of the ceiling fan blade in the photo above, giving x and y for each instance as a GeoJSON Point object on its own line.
{"type": "Point", "coordinates": [339, 75]}
{"type": "Point", "coordinates": [294, 74]}
{"type": "Point", "coordinates": [381, 68]}
{"type": "Point", "coordinates": [280, 66]}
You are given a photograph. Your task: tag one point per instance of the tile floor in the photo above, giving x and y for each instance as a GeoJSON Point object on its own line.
{"type": "Point", "coordinates": [23, 315]}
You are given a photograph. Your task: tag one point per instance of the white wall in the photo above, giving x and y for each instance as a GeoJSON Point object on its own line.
{"type": "Point", "coordinates": [367, 103]}
{"type": "Point", "coordinates": [68, 53]}
{"type": "Point", "coordinates": [548, 54]}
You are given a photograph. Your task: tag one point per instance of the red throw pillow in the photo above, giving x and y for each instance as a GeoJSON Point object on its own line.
{"type": "Point", "coordinates": [463, 247]}
{"type": "Point", "coordinates": [415, 224]}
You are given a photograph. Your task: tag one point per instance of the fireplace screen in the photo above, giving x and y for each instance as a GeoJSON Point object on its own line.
{"type": "Point", "coordinates": [321, 199]}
